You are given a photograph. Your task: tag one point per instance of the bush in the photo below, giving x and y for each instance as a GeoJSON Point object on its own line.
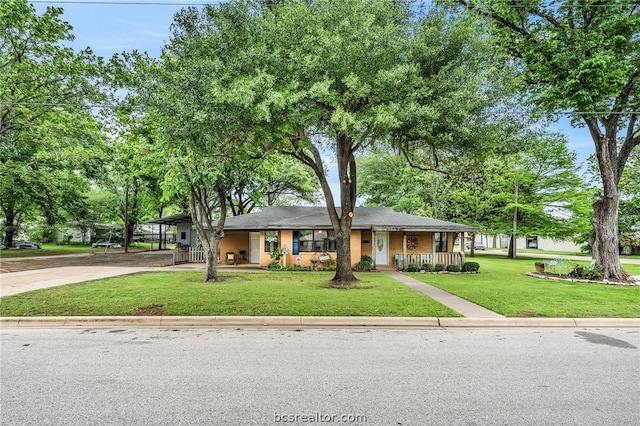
{"type": "Point", "coordinates": [471, 267]}
{"type": "Point", "coordinates": [592, 274]}
{"type": "Point", "coordinates": [275, 254]}
{"type": "Point", "coordinates": [274, 265]}
{"type": "Point", "coordinates": [453, 268]}
{"type": "Point", "coordinates": [540, 264]}
{"type": "Point", "coordinates": [427, 267]}
{"type": "Point", "coordinates": [439, 267]}
{"type": "Point", "coordinates": [412, 267]}
{"type": "Point", "coordinates": [295, 268]}
{"type": "Point", "coordinates": [365, 264]}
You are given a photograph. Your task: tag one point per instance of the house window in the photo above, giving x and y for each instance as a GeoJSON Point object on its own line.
{"type": "Point", "coordinates": [183, 235]}
{"type": "Point", "coordinates": [441, 241]}
{"type": "Point", "coordinates": [314, 241]}
{"type": "Point", "coordinates": [270, 241]}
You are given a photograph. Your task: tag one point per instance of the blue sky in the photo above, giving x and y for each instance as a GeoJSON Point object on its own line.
{"type": "Point", "coordinates": [118, 27]}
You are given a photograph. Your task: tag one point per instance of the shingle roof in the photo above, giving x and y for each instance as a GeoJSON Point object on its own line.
{"type": "Point", "coordinates": [375, 218]}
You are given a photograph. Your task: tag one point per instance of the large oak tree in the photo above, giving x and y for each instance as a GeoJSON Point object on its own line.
{"type": "Point", "coordinates": [583, 58]}
{"type": "Point", "coordinates": [49, 137]}
{"type": "Point", "coordinates": [323, 81]}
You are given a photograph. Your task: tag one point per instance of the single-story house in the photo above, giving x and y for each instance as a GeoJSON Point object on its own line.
{"type": "Point", "coordinates": [530, 242]}
{"type": "Point", "coordinates": [390, 238]}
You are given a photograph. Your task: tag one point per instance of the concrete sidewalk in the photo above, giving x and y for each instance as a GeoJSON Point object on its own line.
{"type": "Point", "coordinates": [311, 322]}
{"type": "Point", "coordinates": [458, 304]}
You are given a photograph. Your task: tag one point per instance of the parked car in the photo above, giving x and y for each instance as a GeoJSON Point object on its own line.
{"type": "Point", "coordinates": [107, 244]}
{"type": "Point", "coordinates": [29, 245]}
{"type": "Point", "coordinates": [479, 246]}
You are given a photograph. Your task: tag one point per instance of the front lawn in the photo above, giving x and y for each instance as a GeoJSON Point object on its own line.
{"type": "Point", "coordinates": [184, 293]}
{"type": "Point", "coordinates": [60, 249]}
{"type": "Point", "coordinates": [501, 287]}
{"type": "Point", "coordinates": [48, 250]}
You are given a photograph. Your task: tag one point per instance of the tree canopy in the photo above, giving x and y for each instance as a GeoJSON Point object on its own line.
{"type": "Point", "coordinates": [323, 81]}
{"type": "Point", "coordinates": [49, 137]}
{"type": "Point", "coordinates": [580, 58]}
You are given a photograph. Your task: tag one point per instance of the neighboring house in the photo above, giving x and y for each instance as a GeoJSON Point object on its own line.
{"type": "Point", "coordinates": [387, 236]}
{"type": "Point", "coordinates": [535, 242]}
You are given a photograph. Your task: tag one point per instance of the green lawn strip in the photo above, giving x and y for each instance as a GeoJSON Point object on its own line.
{"type": "Point", "coordinates": [501, 287]}
{"type": "Point", "coordinates": [184, 293]}
{"type": "Point", "coordinates": [56, 250]}
{"type": "Point", "coordinates": [48, 250]}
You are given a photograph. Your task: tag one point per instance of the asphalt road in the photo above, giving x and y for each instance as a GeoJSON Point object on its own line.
{"type": "Point", "coordinates": [345, 376]}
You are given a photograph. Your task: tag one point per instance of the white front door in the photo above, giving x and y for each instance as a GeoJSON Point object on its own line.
{"type": "Point", "coordinates": [254, 247]}
{"type": "Point", "coordinates": [381, 247]}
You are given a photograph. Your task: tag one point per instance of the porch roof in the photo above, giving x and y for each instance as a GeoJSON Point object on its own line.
{"type": "Point", "coordinates": [365, 218]}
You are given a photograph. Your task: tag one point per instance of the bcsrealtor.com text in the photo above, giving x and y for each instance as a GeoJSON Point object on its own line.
{"type": "Point", "coordinates": [318, 418]}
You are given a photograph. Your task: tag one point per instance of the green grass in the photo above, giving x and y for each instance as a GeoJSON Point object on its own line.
{"type": "Point", "coordinates": [60, 249]}
{"type": "Point", "coordinates": [47, 250]}
{"type": "Point", "coordinates": [502, 287]}
{"type": "Point", "coordinates": [537, 251]}
{"type": "Point", "coordinates": [184, 293]}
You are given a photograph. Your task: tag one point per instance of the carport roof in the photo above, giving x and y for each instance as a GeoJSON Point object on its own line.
{"type": "Point", "coordinates": [172, 220]}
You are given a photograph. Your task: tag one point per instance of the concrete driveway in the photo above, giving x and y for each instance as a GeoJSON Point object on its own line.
{"type": "Point", "coordinates": [19, 282]}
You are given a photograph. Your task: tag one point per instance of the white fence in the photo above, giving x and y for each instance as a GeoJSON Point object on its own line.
{"type": "Point", "coordinates": [189, 255]}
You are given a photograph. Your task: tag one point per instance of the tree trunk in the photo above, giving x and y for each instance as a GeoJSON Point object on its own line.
{"type": "Point", "coordinates": [341, 223]}
{"type": "Point", "coordinates": [472, 245]}
{"type": "Point", "coordinates": [9, 228]}
{"type": "Point", "coordinates": [344, 270]}
{"type": "Point", "coordinates": [604, 240]}
{"type": "Point", "coordinates": [212, 260]}
{"type": "Point", "coordinates": [347, 175]}
{"type": "Point", "coordinates": [511, 254]}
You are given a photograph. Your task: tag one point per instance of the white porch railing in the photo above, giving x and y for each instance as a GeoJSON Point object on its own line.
{"type": "Point", "coordinates": [419, 259]}
{"type": "Point", "coordinates": [180, 255]}
{"type": "Point", "coordinates": [197, 255]}
{"type": "Point", "coordinates": [189, 255]}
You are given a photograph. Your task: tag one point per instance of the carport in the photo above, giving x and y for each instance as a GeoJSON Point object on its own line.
{"type": "Point", "coordinates": [164, 223]}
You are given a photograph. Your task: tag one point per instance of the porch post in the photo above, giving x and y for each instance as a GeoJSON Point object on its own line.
{"type": "Point", "coordinates": [404, 251]}
{"type": "Point", "coordinates": [433, 249]}
{"type": "Point", "coordinates": [373, 248]}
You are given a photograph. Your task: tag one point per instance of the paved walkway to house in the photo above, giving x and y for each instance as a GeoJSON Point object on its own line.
{"type": "Point", "coordinates": [458, 304]}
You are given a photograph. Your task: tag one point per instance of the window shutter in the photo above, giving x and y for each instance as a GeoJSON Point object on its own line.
{"type": "Point", "coordinates": [296, 243]}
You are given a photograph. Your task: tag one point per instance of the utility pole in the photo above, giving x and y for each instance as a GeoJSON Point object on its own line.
{"type": "Point", "coordinates": [126, 218]}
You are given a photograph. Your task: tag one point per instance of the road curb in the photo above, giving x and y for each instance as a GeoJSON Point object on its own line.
{"type": "Point", "coordinates": [311, 321]}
